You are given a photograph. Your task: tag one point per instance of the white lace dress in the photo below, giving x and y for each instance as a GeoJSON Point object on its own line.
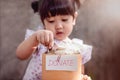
{"type": "Point", "coordinates": [34, 69]}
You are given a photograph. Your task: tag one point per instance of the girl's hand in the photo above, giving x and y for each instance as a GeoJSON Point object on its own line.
{"type": "Point", "coordinates": [85, 77]}
{"type": "Point", "coordinates": [45, 37]}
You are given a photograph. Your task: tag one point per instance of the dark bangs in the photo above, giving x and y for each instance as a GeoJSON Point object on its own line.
{"type": "Point", "coordinates": [56, 7]}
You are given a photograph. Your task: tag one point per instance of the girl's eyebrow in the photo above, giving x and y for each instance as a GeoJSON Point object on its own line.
{"type": "Point", "coordinates": [49, 18]}
{"type": "Point", "coordinates": [64, 16]}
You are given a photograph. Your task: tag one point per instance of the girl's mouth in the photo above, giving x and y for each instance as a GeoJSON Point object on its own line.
{"type": "Point", "coordinates": [59, 33]}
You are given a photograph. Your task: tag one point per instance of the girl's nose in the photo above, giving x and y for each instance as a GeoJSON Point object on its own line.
{"type": "Point", "coordinates": [59, 25]}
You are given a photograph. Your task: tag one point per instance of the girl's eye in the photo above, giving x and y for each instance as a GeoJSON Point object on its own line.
{"type": "Point", "coordinates": [51, 21]}
{"type": "Point", "coordinates": [64, 20]}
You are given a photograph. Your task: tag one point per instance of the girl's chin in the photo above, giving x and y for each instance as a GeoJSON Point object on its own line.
{"type": "Point", "coordinates": [60, 38]}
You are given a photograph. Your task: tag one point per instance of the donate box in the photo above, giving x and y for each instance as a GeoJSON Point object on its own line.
{"type": "Point", "coordinates": [61, 67]}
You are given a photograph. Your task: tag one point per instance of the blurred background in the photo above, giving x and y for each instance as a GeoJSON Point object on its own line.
{"type": "Point", "coordinates": [98, 24]}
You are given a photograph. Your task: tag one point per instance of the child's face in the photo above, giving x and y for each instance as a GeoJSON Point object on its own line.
{"type": "Point", "coordinates": [60, 25]}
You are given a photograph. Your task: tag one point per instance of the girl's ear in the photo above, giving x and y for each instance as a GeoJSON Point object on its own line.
{"type": "Point", "coordinates": [75, 17]}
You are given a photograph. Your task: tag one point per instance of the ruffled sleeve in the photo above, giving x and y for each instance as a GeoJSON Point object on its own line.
{"type": "Point", "coordinates": [28, 33]}
{"type": "Point", "coordinates": [85, 50]}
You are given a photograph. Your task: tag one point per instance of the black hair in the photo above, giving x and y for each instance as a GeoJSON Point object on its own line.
{"type": "Point", "coordinates": [35, 6]}
{"type": "Point", "coordinates": [50, 8]}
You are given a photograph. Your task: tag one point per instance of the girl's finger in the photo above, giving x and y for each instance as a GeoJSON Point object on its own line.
{"type": "Point", "coordinates": [42, 40]}
{"type": "Point", "coordinates": [86, 77]}
{"type": "Point", "coordinates": [51, 40]}
{"type": "Point", "coordinates": [38, 37]}
{"type": "Point", "coordinates": [46, 38]}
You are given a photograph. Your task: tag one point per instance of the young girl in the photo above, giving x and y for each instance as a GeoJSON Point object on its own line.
{"type": "Point", "coordinates": [58, 18]}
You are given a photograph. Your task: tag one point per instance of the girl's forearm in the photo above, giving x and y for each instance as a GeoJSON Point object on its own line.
{"type": "Point", "coordinates": [26, 48]}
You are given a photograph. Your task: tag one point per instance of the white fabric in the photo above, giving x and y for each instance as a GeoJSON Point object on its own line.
{"type": "Point", "coordinates": [34, 68]}
{"type": "Point", "coordinates": [28, 33]}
